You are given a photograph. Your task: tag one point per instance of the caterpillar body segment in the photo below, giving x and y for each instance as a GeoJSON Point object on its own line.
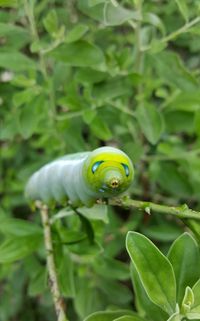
{"type": "Point", "coordinates": [82, 178]}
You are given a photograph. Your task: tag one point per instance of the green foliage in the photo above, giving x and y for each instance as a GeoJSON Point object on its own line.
{"type": "Point", "coordinates": [74, 76]}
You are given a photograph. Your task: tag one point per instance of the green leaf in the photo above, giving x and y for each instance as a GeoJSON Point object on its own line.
{"type": "Point", "coordinates": [38, 282]}
{"type": "Point", "coordinates": [164, 232]}
{"type": "Point", "coordinates": [185, 101]}
{"type": "Point", "coordinates": [196, 291]}
{"type": "Point", "coordinates": [92, 3]}
{"type": "Point", "coordinates": [76, 33]}
{"type": "Point", "coordinates": [51, 22]}
{"type": "Point", "coordinates": [188, 301]}
{"type": "Point", "coordinates": [106, 316]}
{"type": "Point", "coordinates": [17, 227]}
{"type": "Point", "coordinates": [80, 54]}
{"type": "Point", "coordinates": [144, 305]}
{"type": "Point", "coordinates": [97, 212]}
{"type": "Point", "coordinates": [129, 318]}
{"type": "Point", "coordinates": [154, 269]}
{"type": "Point", "coordinates": [29, 117]}
{"type": "Point", "coordinates": [66, 276]}
{"type": "Point", "coordinates": [8, 3]}
{"type": "Point", "coordinates": [197, 122]}
{"type": "Point", "coordinates": [172, 180]}
{"type": "Point", "coordinates": [153, 19]}
{"type": "Point", "coordinates": [116, 292]}
{"type": "Point", "coordinates": [91, 76]}
{"type": "Point", "coordinates": [171, 69]}
{"type": "Point", "coordinates": [100, 129]}
{"type": "Point", "coordinates": [113, 88]}
{"type": "Point", "coordinates": [26, 96]}
{"type": "Point", "coordinates": [16, 248]}
{"type": "Point", "coordinates": [107, 12]}
{"type": "Point", "coordinates": [16, 61]}
{"type": "Point", "coordinates": [71, 237]}
{"type": "Point", "coordinates": [111, 268]}
{"type": "Point", "coordinates": [182, 5]}
{"type": "Point", "coordinates": [14, 36]}
{"type": "Point", "coordinates": [185, 259]}
{"type": "Point", "coordinates": [151, 122]}
{"type": "Point", "coordinates": [175, 317]}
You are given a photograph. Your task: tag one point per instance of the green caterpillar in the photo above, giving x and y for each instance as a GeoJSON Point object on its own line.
{"type": "Point", "coordinates": [82, 178]}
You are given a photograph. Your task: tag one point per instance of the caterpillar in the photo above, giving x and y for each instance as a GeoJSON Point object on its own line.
{"type": "Point", "coordinates": [82, 178]}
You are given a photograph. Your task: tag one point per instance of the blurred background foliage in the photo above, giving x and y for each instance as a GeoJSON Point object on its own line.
{"type": "Point", "coordinates": [76, 75]}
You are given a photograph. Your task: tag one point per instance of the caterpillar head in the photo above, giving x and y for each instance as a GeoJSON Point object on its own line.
{"type": "Point", "coordinates": [108, 171]}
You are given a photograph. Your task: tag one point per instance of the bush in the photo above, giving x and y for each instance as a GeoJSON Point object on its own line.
{"type": "Point", "coordinates": [74, 76]}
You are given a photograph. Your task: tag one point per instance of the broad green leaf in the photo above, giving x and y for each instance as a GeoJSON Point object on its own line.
{"type": "Point", "coordinates": [30, 115]}
{"type": "Point", "coordinates": [193, 316]}
{"type": "Point", "coordinates": [108, 13]}
{"type": "Point", "coordinates": [154, 269]}
{"type": "Point", "coordinates": [92, 3]}
{"type": "Point", "coordinates": [175, 317]}
{"type": "Point", "coordinates": [76, 33]}
{"type": "Point", "coordinates": [16, 61]}
{"type": "Point", "coordinates": [88, 299]}
{"type": "Point", "coordinates": [107, 315]}
{"type": "Point", "coordinates": [100, 129]}
{"type": "Point", "coordinates": [17, 227]}
{"type": "Point", "coordinates": [13, 35]}
{"type": "Point", "coordinates": [183, 7]}
{"type": "Point", "coordinates": [80, 54]}
{"type": "Point", "coordinates": [171, 69]}
{"type": "Point", "coordinates": [153, 19]}
{"type": "Point", "coordinates": [113, 88]}
{"type": "Point", "coordinates": [8, 3]}
{"type": "Point", "coordinates": [151, 122]}
{"type": "Point", "coordinates": [66, 276]}
{"type": "Point", "coordinates": [129, 318]}
{"type": "Point", "coordinates": [185, 101]}
{"type": "Point", "coordinates": [16, 248]}
{"type": "Point", "coordinates": [71, 237]}
{"type": "Point", "coordinates": [144, 305]}
{"type": "Point", "coordinates": [162, 231]}
{"type": "Point", "coordinates": [38, 282]}
{"type": "Point", "coordinates": [116, 292]}
{"type": "Point", "coordinates": [89, 115]}
{"type": "Point", "coordinates": [185, 259]}
{"type": "Point", "coordinates": [97, 212]}
{"type": "Point", "coordinates": [197, 122]}
{"type": "Point", "coordinates": [88, 75]}
{"type": "Point", "coordinates": [111, 268]}
{"type": "Point", "coordinates": [26, 96]}
{"type": "Point", "coordinates": [179, 121]}
{"type": "Point", "coordinates": [173, 180]}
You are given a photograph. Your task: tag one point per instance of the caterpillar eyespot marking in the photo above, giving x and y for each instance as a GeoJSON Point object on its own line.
{"type": "Point", "coordinates": [82, 178]}
{"type": "Point", "coordinates": [126, 169]}
{"type": "Point", "coordinates": [96, 165]}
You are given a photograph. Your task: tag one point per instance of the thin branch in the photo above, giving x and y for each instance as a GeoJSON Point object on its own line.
{"type": "Point", "coordinates": [183, 29]}
{"type": "Point", "coordinates": [51, 267]}
{"type": "Point", "coordinates": [176, 33]}
{"type": "Point", "coordinates": [182, 211]}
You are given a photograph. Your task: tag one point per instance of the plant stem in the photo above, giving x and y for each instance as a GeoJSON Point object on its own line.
{"type": "Point", "coordinates": [176, 33]}
{"type": "Point", "coordinates": [30, 15]}
{"type": "Point", "coordinates": [138, 51]}
{"type": "Point", "coordinates": [181, 30]}
{"type": "Point", "coordinates": [180, 211]}
{"type": "Point", "coordinates": [51, 267]}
